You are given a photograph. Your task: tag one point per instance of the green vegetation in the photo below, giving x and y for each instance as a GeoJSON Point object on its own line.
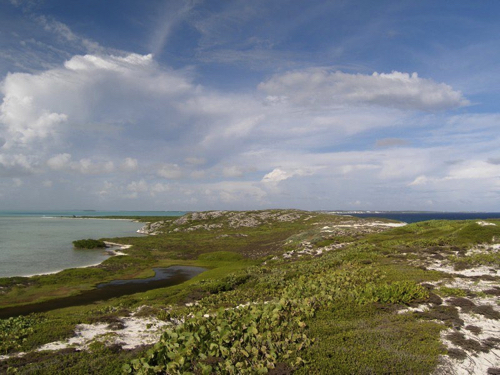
{"type": "Point", "coordinates": [254, 310]}
{"type": "Point", "coordinates": [247, 340]}
{"type": "Point", "coordinates": [14, 332]}
{"type": "Point", "coordinates": [89, 244]}
{"type": "Point", "coordinates": [451, 292]}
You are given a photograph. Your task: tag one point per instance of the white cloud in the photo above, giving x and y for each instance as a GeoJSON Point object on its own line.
{"type": "Point", "coordinates": [277, 175]}
{"type": "Point", "coordinates": [64, 32]}
{"type": "Point", "coordinates": [88, 89]}
{"type": "Point", "coordinates": [198, 174]}
{"type": "Point", "coordinates": [239, 192]}
{"type": "Point", "coordinates": [24, 120]}
{"type": "Point", "coordinates": [87, 166]}
{"type": "Point", "coordinates": [59, 162]}
{"type": "Point", "coordinates": [129, 165]}
{"type": "Point", "coordinates": [420, 180]}
{"type": "Point", "coordinates": [233, 171]}
{"type": "Point", "coordinates": [349, 168]}
{"type": "Point", "coordinates": [63, 162]}
{"type": "Point", "coordinates": [474, 169]}
{"type": "Point", "coordinates": [85, 120]}
{"type": "Point", "coordinates": [106, 189]}
{"type": "Point", "coordinates": [170, 171]}
{"type": "Point", "coordinates": [159, 188]}
{"type": "Point", "coordinates": [138, 186]}
{"type": "Point", "coordinates": [320, 87]}
{"type": "Point", "coordinates": [16, 165]}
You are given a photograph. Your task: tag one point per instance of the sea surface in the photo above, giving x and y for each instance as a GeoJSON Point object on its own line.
{"type": "Point", "coordinates": [41, 242]}
{"type": "Point", "coordinates": [413, 217]}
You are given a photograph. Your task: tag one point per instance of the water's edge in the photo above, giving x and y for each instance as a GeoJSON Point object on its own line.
{"type": "Point", "coordinates": [164, 277]}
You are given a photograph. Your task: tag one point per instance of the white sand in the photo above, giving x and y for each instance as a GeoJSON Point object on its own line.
{"type": "Point", "coordinates": [136, 331]}
{"type": "Point", "coordinates": [368, 224]}
{"type": "Point", "coordinates": [484, 223]}
{"type": "Point", "coordinates": [475, 362]}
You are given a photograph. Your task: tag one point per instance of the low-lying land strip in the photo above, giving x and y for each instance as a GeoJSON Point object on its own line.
{"type": "Point", "coordinates": [286, 291]}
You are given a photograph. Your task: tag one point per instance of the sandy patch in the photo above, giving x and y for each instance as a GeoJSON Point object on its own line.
{"type": "Point", "coordinates": [135, 332]}
{"type": "Point", "coordinates": [485, 223]}
{"type": "Point", "coordinates": [363, 225]}
{"type": "Point", "coordinates": [474, 347]}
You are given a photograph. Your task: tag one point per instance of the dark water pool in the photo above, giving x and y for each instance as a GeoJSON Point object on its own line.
{"type": "Point", "coordinates": [163, 277]}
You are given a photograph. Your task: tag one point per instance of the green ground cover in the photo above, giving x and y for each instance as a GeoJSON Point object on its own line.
{"type": "Point", "coordinates": [255, 311]}
{"type": "Point", "coordinates": [89, 244]}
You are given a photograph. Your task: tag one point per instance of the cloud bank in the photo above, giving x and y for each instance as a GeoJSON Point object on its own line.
{"type": "Point", "coordinates": [125, 131]}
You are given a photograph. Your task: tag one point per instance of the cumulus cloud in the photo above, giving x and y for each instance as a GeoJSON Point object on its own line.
{"type": "Point", "coordinates": [277, 175]}
{"type": "Point", "coordinates": [321, 87]}
{"type": "Point", "coordinates": [23, 118]}
{"type": "Point", "coordinates": [59, 161]}
{"type": "Point", "coordinates": [63, 162]}
{"type": "Point", "coordinates": [138, 186]}
{"type": "Point", "coordinates": [129, 165]}
{"type": "Point", "coordinates": [159, 188]}
{"type": "Point", "coordinates": [170, 171]}
{"type": "Point", "coordinates": [137, 124]}
{"type": "Point", "coordinates": [16, 165]}
{"type": "Point", "coordinates": [88, 89]}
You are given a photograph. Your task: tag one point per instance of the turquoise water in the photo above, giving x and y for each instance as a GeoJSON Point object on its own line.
{"type": "Point", "coordinates": [71, 213]}
{"type": "Point", "coordinates": [41, 242]}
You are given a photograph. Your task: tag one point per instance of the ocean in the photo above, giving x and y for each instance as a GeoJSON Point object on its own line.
{"type": "Point", "coordinates": [41, 242]}
{"type": "Point", "coordinates": [413, 217]}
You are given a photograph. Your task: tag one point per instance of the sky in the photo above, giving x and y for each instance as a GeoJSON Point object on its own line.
{"type": "Point", "coordinates": [201, 105]}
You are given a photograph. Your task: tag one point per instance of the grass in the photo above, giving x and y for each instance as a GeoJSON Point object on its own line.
{"type": "Point", "coordinates": [364, 340]}
{"type": "Point", "coordinates": [335, 314]}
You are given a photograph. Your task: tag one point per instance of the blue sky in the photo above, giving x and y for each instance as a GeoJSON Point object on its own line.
{"type": "Point", "coordinates": [195, 105]}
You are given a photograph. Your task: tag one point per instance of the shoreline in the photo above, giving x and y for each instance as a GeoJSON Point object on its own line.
{"type": "Point", "coordinates": [112, 249]}
{"type": "Point", "coordinates": [111, 252]}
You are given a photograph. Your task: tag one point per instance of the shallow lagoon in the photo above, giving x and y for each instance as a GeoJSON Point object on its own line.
{"type": "Point", "coordinates": [32, 245]}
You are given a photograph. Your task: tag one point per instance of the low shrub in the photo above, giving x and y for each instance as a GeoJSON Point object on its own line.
{"type": "Point", "coordinates": [14, 332]}
{"type": "Point", "coordinates": [225, 284]}
{"type": "Point", "coordinates": [244, 340]}
{"type": "Point", "coordinates": [89, 244]}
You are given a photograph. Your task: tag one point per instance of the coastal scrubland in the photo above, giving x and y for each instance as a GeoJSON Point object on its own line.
{"type": "Point", "coordinates": [285, 291]}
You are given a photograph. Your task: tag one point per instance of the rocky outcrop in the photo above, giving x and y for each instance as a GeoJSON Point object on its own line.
{"type": "Point", "coordinates": [232, 219]}
{"type": "Point", "coordinates": [152, 228]}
